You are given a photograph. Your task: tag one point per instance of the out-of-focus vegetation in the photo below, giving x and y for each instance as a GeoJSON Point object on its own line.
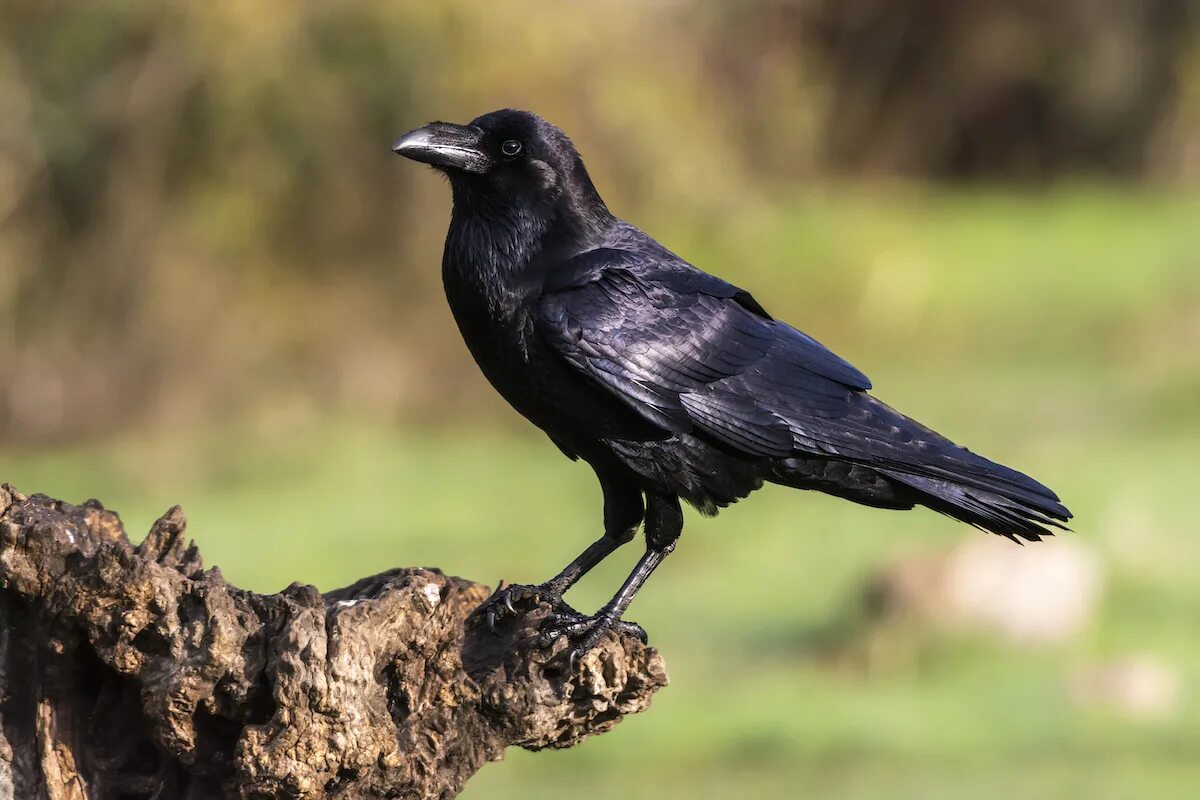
{"type": "Point", "coordinates": [219, 288]}
{"type": "Point", "coordinates": [200, 215]}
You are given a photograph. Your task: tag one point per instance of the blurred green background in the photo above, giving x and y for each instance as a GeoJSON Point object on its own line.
{"type": "Point", "coordinates": [219, 288]}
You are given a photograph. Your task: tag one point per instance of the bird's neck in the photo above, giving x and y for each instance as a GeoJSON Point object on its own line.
{"type": "Point", "coordinates": [500, 252]}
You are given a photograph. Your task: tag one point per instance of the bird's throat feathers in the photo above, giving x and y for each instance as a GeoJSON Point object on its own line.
{"type": "Point", "coordinates": [500, 249]}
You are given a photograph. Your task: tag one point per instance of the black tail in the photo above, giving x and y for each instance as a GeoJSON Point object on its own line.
{"type": "Point", "coordinates": [987, 495]}
{"type": "Point", "coordinates": [877, 456]}
{"type": "Point", "coordinates": [955, 482]}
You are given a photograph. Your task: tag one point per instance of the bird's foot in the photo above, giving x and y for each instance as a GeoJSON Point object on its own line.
{"type": "Point", "coordinates": [585, 630]}
{"type": "Point", "coordinates": [506, 601]}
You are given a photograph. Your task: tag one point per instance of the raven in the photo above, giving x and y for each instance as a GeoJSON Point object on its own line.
{"type": "Point", "coordinates": [671, 383]}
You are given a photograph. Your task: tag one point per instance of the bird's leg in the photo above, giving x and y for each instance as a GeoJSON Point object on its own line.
{"type": "Point", "coordinates": [664, 521]}
{"type": "Point", "coordinates": [623, 512]}
{"type": "Point", "coordinates": [597, 551]}
{"type": "Point", "coordinates": [505, 600]}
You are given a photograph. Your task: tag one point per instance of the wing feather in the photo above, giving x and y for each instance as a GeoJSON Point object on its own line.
{"type": "Point", "coordinates": [687, 350]}
{"type": "Point", "coordinates": [690, 352]}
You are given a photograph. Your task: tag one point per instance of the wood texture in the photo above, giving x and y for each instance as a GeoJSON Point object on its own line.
{"type": "Point", "coordinates": [133, 672]}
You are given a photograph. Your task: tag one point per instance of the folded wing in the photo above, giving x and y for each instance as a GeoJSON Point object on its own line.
{"type": "Point", "coordinates": [690, 352]}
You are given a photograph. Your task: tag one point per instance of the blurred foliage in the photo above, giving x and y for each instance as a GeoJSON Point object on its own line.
{"type": "Point", "coordinates": [1026, 89]}
{"type": "Point", "coordinates": [199, 215]}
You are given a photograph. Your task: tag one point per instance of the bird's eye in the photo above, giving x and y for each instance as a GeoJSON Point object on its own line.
{"type": "Point", "coordinates": [511, 148]}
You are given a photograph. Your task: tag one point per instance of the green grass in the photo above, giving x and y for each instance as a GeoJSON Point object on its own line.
{"type": "Point", "coordinates": [1058, 334]}
{"type": "Point", "coordinates": [747, 708]}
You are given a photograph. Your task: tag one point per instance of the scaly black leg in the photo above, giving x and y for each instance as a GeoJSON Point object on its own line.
{"type": "Point", "coordinates": [623, 512]}
{"type": "Point", "coordinates": [664, 521]}
{"type": "Point", "coordinates": [504, 600]}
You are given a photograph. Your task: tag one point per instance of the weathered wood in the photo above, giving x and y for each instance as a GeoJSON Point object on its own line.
{"type": "Point", "coordinates": [133, 672]}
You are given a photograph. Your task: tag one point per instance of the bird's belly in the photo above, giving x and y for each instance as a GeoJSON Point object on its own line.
{"type": "Point", "coordinates": [696, 470]}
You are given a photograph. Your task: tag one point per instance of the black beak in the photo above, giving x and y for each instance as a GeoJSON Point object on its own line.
{"type": "Point", "coordinates": [444, 145]}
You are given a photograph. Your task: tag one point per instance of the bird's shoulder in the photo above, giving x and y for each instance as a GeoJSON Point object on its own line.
{"type": "Point", "coordinates": [629, 256]}
{"type": "Point", "coordinates": [632, 306]}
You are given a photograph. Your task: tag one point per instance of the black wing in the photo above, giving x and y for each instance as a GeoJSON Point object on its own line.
{"type": "Point", "coordinates": [690, 352]}
{"type": "Point", "coordinates": [687, 350]}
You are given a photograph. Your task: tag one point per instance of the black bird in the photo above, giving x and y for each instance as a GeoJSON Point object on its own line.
{"type": "Point", "coordinates": [671, 383]}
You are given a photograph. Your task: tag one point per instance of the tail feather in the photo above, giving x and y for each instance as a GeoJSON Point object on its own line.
{"type": "Point", "coordinates": [1001, 507]}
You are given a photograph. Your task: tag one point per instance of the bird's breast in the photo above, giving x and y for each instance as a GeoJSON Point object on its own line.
{"type": "Point", "coordinates": [493, 292]}
{"type": "Point", "coordinates": [496, 326]}
{"type": "Point", "coordinates": [536, 381]}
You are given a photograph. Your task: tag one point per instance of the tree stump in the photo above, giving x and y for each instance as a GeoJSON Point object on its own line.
{"type": "Point", "coordinates": [133, 672]}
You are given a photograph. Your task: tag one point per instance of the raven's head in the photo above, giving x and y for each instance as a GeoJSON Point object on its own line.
{"type": "Point", "coordinates": [509, 157]}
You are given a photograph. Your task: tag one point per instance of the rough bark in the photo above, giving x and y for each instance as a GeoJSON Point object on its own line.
{"type": "Point", "coordinates": [133, 672]}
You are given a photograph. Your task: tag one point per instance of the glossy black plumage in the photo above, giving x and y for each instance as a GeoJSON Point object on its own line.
{"type": "Point", "coordinates": [673, 384]}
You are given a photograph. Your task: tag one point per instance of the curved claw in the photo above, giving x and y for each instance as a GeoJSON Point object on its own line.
{"type": "Point", "coordinates": [632, 629]}
{"type": "Point", "coordinates": [507, 602]}
{"type": "Point", "coordinates": [588, 630]}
